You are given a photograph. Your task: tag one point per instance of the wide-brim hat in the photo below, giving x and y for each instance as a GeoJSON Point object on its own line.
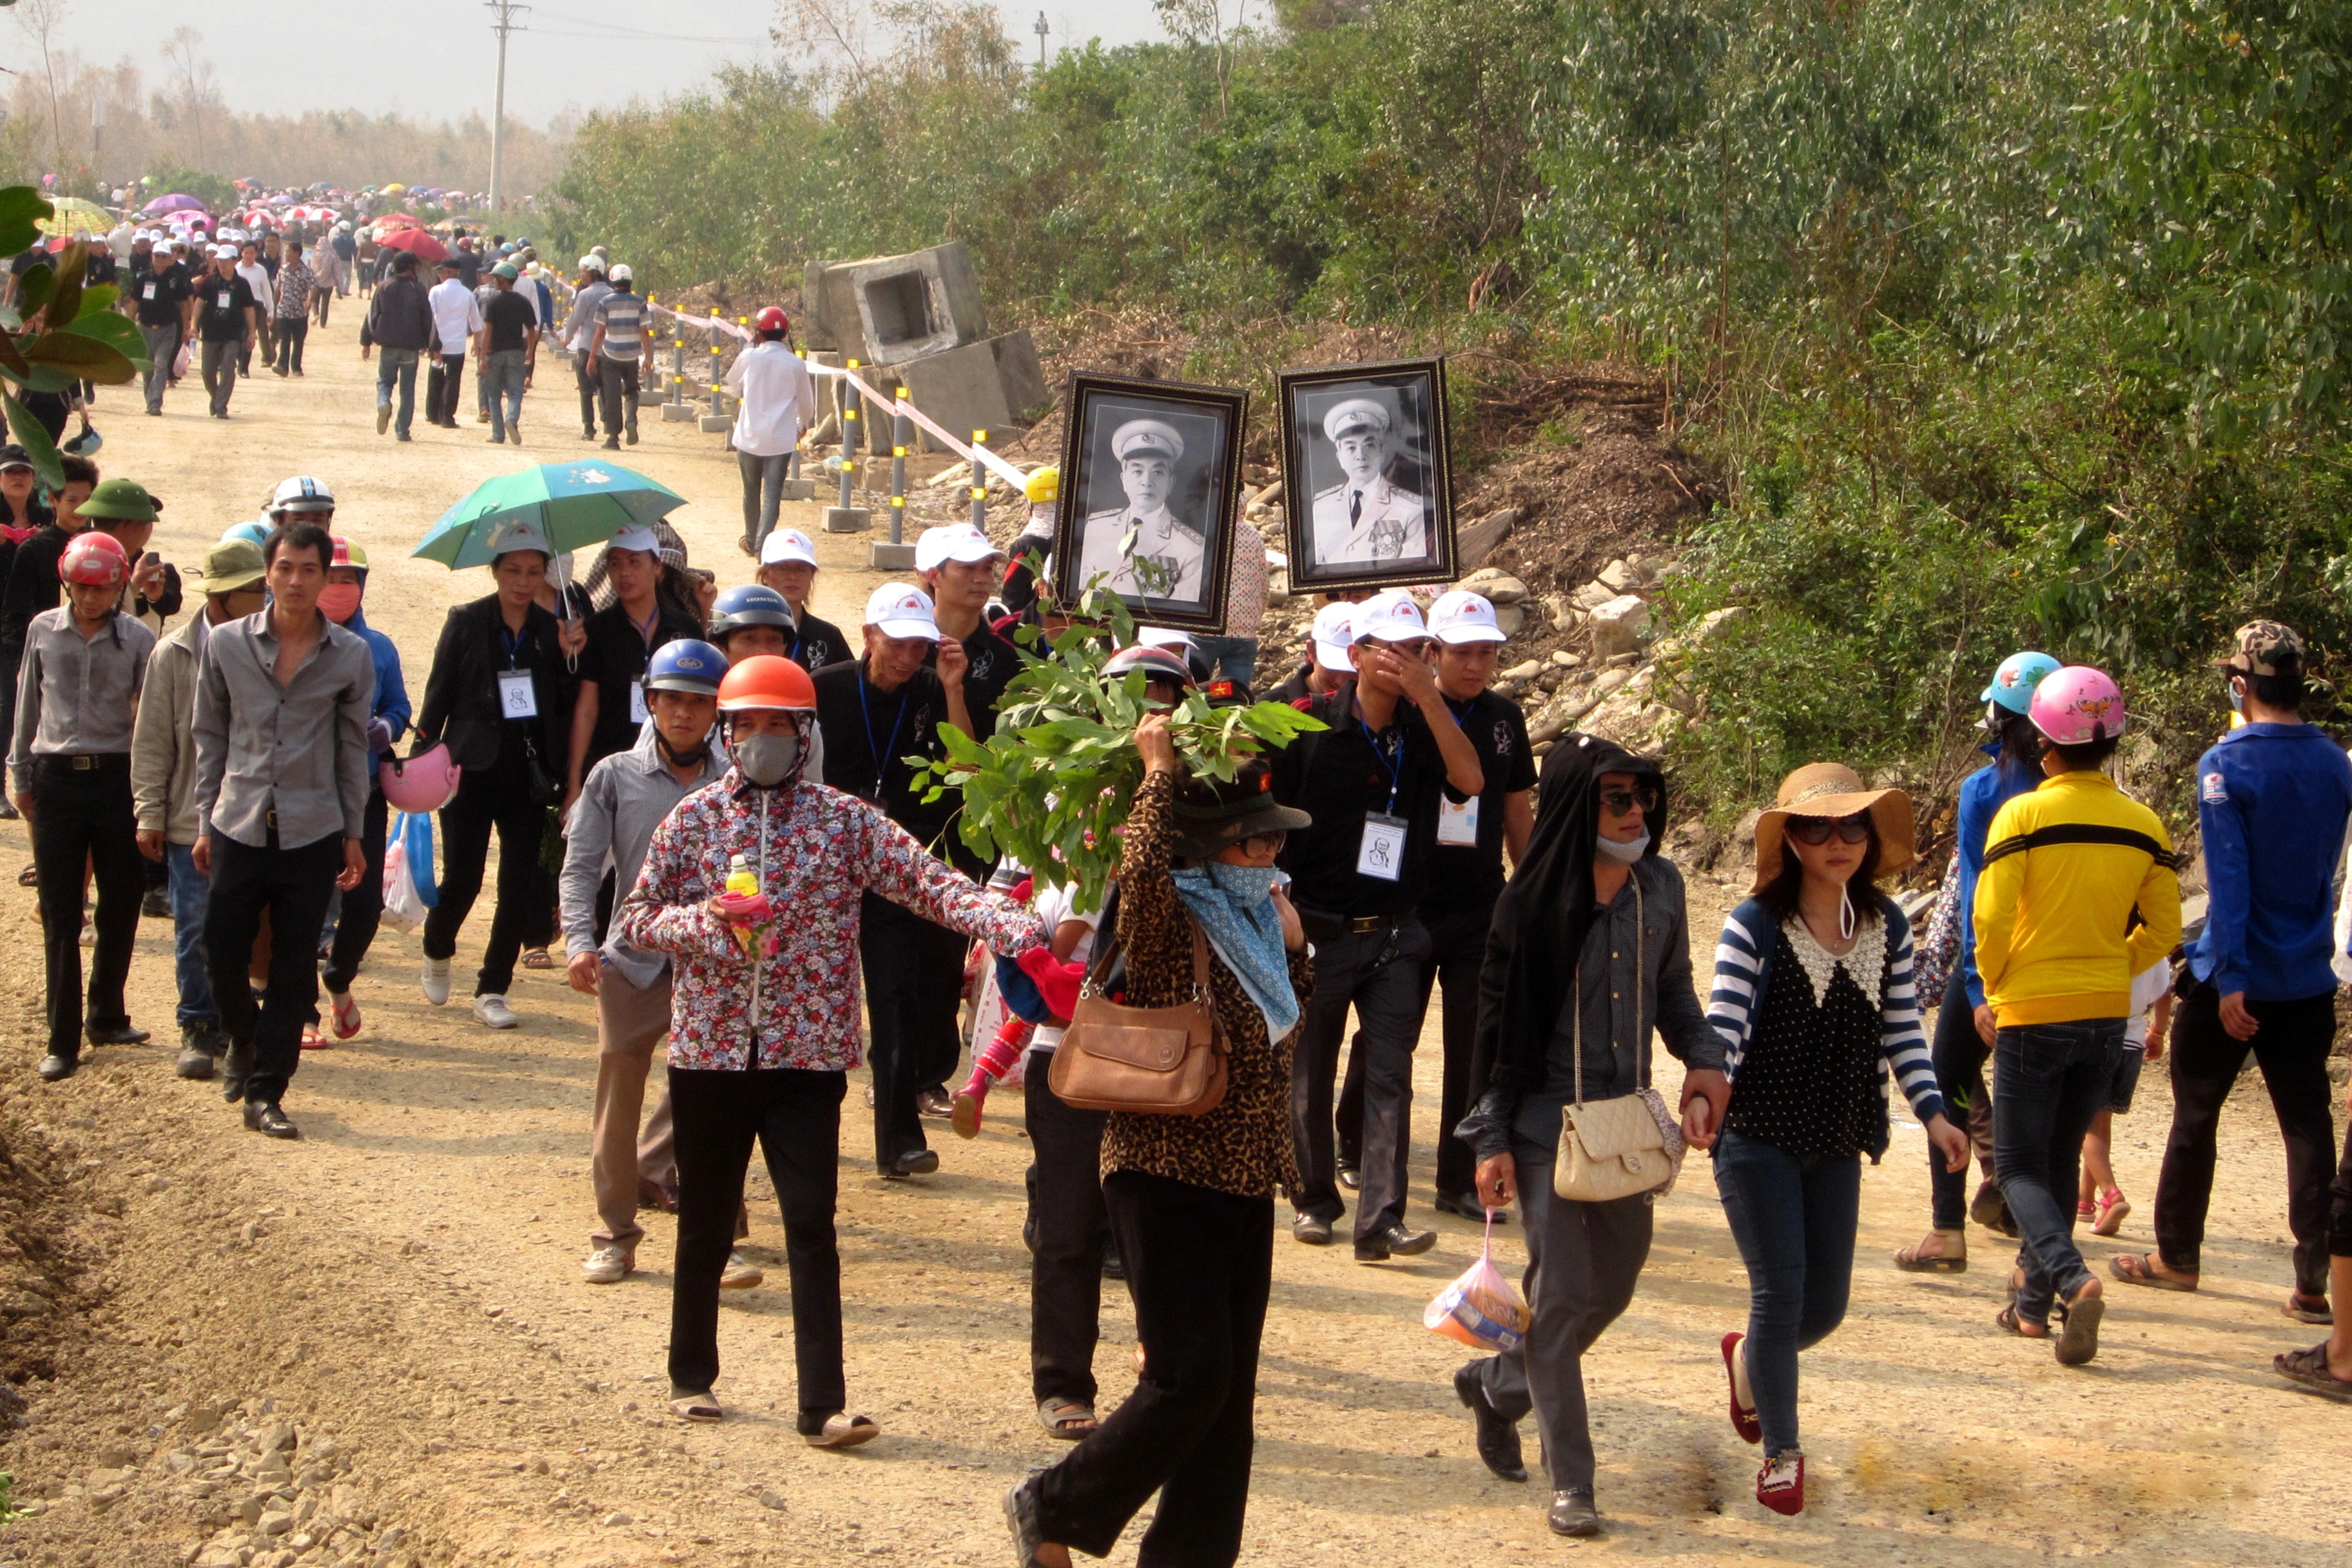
{"type": "Point", "coordinates": [1211, 815]}
{"type": "Point", "coordinates": [1832, 789]}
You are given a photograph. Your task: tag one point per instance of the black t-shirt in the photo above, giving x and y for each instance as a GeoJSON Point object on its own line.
{"type": "Point", "coordinates": [861, 721]}
{"type": "Point", "coordinates": [97, 266]}
{"type": "Point", "coordinates": [470, 266]}
{"type": "Point", "coordinates": [818, 643]}
{"type": "Point", "coordinates": [159, 294]}
{"type": "Point", "coordinates": [616, 659]}
{"type": "Point", "coordinates": [221, 305]}
{"type": "Point", "coordinates": [1462, 876]}
{"type": "Point", "coordinates": [1343, 775]}
{"type": "Point", "coordinates": [33, 582]}
{"type": "Point", "coordinates": [507, 318]}
{"type": "Point", "coordinates": [1294, 691]}
{"type": "Point", "coordinates": [993, 660]}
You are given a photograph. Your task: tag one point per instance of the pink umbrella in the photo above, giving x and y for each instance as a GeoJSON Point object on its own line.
{"type": "Point", "coordinates": [175, 203]}
{"type": "Point", "coordinates": [422, 246]}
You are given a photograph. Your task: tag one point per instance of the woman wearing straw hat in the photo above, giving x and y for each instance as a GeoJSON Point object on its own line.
{"type": "Point", "coordinates": [1813, 1000]}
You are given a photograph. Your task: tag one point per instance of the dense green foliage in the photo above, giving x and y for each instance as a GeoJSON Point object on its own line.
{"type": "Point", "coordinates": [55, 333]}
{"type": "Point", "coordinates": [2012, 322]}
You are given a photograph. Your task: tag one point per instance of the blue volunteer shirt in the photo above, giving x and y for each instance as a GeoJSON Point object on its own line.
{"type": "Point", "coordinates": [1982, 795]}
{"type": "Point", "coordinates": [2272, 800]}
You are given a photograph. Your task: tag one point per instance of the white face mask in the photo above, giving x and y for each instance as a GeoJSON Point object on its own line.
{"type": "Point", "coordinates": [1624, 851]}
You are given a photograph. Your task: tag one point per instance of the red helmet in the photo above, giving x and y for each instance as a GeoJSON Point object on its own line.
{"type": "Point", "coordinates": [766, 681]}
{"type": "Point", "coordinates": [94, 559]}
{"type": "Point", "coordinates": [771, 319]}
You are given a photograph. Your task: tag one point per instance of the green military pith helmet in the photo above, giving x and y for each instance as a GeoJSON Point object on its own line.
{"type": "Point", "coordinates": [120, 500]}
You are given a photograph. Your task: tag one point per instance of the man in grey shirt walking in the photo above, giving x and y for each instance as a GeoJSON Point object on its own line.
{"type": "Point", "coordinates": [282, 706]}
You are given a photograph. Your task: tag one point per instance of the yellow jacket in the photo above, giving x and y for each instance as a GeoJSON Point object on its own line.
{"type": "Point", "coordinates": [2066, 867]}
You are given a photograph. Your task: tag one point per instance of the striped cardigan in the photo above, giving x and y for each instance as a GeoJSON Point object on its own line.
{"type": "Point", "coordinates": [1743, 967]}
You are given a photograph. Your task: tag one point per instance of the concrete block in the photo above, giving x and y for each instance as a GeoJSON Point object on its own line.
{"type": "Point", "coordinates": [1619, 627]}
{"type": "Point", "coordinates": [829, 310]}
{"type": "Point", "coordinates": [1478, 541]}
{"type": "Point", "coordinates": [799, 490]}
{"type": "Point", "coordinates": [710, 423]}
{"type": "Point", "coordinates": [884, 556]}
{"type": "Point", "coordinates": [962, 387]}
{"type": "Point", "coordinates": [1023, 379]}
{"type": "Point", "coordinates": [912, 305]}
{"type": "Point", "coordinates": [847, 519]}
{"type": "Point", "coordinates": [676, 413]}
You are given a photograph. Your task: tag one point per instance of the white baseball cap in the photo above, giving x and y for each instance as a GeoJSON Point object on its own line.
{"type": "Point", "coordinates": [784, 545]}
{"type": "Point", "coordinates": [518, 536]}
{"type": "Point", "coordinates": [1334, 630]}
{"type": "Point", "coordinates": [637, 536]}
{"type": "Point", "coordinates": [1461, 616]}
{"type": "Point", "coordinates": [954, 541]}
{"type": "Point", "coordinates": [1390, 617]}
{"type": "Point", "coordinates": [592, 264]}
{"type": "Point", "coordinates": [1164, 637]}
{"type": "Point", "coordinates": [896, 610]}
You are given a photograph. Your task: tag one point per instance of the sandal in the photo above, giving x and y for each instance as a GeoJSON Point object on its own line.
{"type": "Point", "coordinates": [537, 958]}
{"type": "Point", "coordinates": [2139, 1269]}
{"type": "Point", "coordinates": [2079, 1341]}
{"type": "Point", "coordinates": [29, 877]}
{"type": "Point", "coordinates": [2114, 1209]}
{"type": "Point", "coordinates": [1911, 1260]}
{"type": "Point", "coordinates": [347, 1015]}
{"type": "Point", "coordinates": [694, 1404]}
{"type": "Point", "coordinates": [1743, 1417]}
{"type": "Point", "coordinates": [2023, 1327]}
{"type": "Point", "coordinates": [1068, 1419]}
{"type": "Point", "coordinates": [2296, 1307]}
{"type": "Point", "coordinates": [840, 1431]}
{"type": "Point", "coordinates": [2307, 1369]}
{"type": "Point", "coordinates": [312, 1039]}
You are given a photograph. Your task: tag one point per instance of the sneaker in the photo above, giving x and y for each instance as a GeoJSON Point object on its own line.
{"type": "Point", "coordinates": [514, 430]}
{"type": "Point", "coordinates": [498, 438]}
{"type": "Point", "coordinates": [434, 978]}
{"type": "Point", "coordinates": [88, 933]}
{"type": "Point", "coordinates": [1780, 1484]}
{"type": "Point", "coordinates": [196, 1054]}
{"type": "Point", "coordinates": [612, 444]}
{"type": "Point", "coordinates": [633, 433]}
{"type": "Point", "coordinates": [383, 417]}
{"type": "Point", "coordinates": [742, 1273]}
{"type": "Point", "coordinates": [156, 905]}
{"type": "Point", "coordinates": [493, 1011]}
{"type": "Point", "coordinates": [482, 416]}
{"type": "Point", "coordinates": [605, 1266]}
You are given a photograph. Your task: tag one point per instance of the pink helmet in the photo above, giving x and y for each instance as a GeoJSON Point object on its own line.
{"type": "Point", "coordinates": [424, 782]}
{"type": "Point", "coordinates": [2076, 706]}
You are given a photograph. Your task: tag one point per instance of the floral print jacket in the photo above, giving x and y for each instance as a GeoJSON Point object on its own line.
{"type": "Point", "coordinates": [816, 850]}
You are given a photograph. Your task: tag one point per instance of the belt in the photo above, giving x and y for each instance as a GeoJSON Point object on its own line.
{"type": "Point", "coordinates": [81, 764]}
{"type": "Point", "coordinates": [1318, 921]}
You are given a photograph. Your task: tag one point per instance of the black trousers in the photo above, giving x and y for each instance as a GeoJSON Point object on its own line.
{"type": "Point", "coordinates": [618, 394]}
{"type": "Point", "coordinates": [294, 886]}
{"type": "Point", "coordinates": [84, 815]}
{"type": "Point", "coordinates": [796, 1115]}
{"type": "Point", "coordinates": [591, 387]}
{"type": "Point", "coordinates": [1457, 951]}
{"type": "Point", "coordinates": [914, 982]}
{"type": "Point", "coordinates": [1198, 1266]}
{"type": "Point", "coordinates": [488, 801]}
{"type": "Point", "coordinates": [1065, 1258]}
{"type": "Point", "coordinates": [2292, 1048]}
{"type": "Point", "coordinates": [1379, 972]}
{"type": "Point", "coordinates": [442, 382]}
{"type": "Point", "coordinates": [1960, 1054]}
{"type": "Point", "coordinates": [363, 905]}
{"type": "Point", "coordinates": [292, 332]}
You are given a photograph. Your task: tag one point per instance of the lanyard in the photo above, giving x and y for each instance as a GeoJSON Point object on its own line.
{"type": "Point", "coordinates": [881, 755]}
{"type": "Point", "coordinates": [1395, 770]}
{"type": "Point", "coordinates": [646, 628]}
{"type": "Point", "coordinates": [516, 642]}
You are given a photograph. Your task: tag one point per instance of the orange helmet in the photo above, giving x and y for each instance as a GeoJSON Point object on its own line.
{"type": "Point", "coordinates": [97, 560]}
{"type": "Point", "coordinates": [766, 681]}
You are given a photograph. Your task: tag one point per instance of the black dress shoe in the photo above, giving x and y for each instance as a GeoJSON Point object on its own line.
{"type": "Point", "coordinates": [1572, 1513]}
{"type": "Point", "coordinates": [1351, 1179]}
{"type": "Point", "coordinates": [1311, 1230]}
{"type": "Point", "coordinates": [1396, 1241]}
{"type": "Point", "coordinates": [934, 1104]}
{"type": "Point", "coordinates": [235, 1069]}
{"type": "Point", "coordinates": [1469, 1208]}
{"type": "Point", "coordinates": [914, 1163]}
{"type": "Point", "coordinates": [268, 1120]}
{"type": "Point", "coordinates": [53, 1067]}
{"type": "Point", "coordinates": [155, 906]}
{"type": "Point", "coordinates": [114, 1034]}
{"type": "Point", "coordinates": [1498, 1436]}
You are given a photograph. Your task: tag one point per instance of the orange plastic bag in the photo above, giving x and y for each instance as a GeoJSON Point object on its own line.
{"type": "Point", "coordinates": [1482, 1309]}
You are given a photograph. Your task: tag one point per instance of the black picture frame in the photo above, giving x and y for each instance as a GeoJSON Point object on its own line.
{"type": "Point", "coordinates": [1412, 487]}
{"type": "Point", "coordinates": [1204, 481]}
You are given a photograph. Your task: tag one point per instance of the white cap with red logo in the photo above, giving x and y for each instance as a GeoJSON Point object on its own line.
{"type": "Point", "coordinates": [955, 541]}
{"type": "Point", "coordinates": [1390, 617]}
{"type": "Point", "coordinates": [784, 545]}
{"type": "Point", "coordinates": [1461, 616]}
{"type": "Point", "coordinates": [895, 609]}
{"type": "Point", "coordinates": [1334, 630]}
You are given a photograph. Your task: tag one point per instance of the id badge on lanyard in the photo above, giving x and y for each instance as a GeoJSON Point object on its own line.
{"type": "Point", "coordinates": [148, 292]}
{"type": "Point", "coordinates": [1381, 851]}
{"type": "Point", "coordinates": [518, 699]}
{"type": "Point", "coordinates": [1458, 825]}
{"type": "Point", "coordinates": [636, 702]}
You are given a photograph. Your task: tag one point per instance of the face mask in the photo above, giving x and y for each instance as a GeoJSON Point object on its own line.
{"type": "Point", "coordinates": [2237, 698]}
{"type": "Point", "coordinates": [1624, 852]}
{"type": "Point", "coordinates": [338, 602]}
{"type": "Point", "coordinates": [1247, 885]}
{"type": "Point", "coordinates": [768, 760]}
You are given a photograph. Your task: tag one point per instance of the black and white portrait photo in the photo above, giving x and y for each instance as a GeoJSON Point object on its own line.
{"type": "Point", "coordinates": [1151, 484]}
{"type": "Point", "coordinates": [1367, 485]}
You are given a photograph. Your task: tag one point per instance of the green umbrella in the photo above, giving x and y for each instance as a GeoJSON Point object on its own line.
{"type": "Point", "coordinates": [574, 504]}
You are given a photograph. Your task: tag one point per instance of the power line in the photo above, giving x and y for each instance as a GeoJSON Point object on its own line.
{"type": "Point", "coordinates": [504, 14]}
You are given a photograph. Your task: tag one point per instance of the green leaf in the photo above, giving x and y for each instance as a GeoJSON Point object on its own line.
{"type": "Point", "coordinates": [98, 299]}
{"type": "Point", "coordinates": [34, 439]}
{"type": "Point", "coordinates": [65, 297]}
{"type": "Point", "coordinates": [72, 350]}
{"type": "Point", "coordinates": [33, 289]}
{"type": "Point", "coordinates": [20, 207]}
{"type": "Point", "coordinates": [117, 331]}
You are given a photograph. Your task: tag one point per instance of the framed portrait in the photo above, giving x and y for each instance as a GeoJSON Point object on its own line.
{"type": "Point", "coordinates": [1367, 483]}
{"type": "Point", "coordinates": [1151, 477]}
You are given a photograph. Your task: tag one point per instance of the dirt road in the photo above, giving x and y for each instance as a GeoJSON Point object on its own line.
{"type": "Point", "coordinates": [388, 1313]}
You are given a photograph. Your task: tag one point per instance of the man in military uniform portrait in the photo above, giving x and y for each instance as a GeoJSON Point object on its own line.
{"type": "Point", "coordinates": [1142, 550]}
{"type": "Point", "coordinates": [1365, 519]}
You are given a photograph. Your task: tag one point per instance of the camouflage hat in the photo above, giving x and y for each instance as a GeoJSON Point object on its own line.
{"type": "Point", "coordinates": [2261, 648]}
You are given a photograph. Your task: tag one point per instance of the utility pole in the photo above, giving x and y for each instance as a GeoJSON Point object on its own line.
{"type": "Point", "coordinates": [504, 15]}
{"type": "Point", "coordinates": [1040, 30]}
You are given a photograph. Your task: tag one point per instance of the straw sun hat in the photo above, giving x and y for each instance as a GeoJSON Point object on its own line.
{"type": "Point", "coordinates": [1832, 789]}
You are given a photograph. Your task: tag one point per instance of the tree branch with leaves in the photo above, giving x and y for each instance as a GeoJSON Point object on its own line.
{"type": "Point", "coordinates": [56, 333]}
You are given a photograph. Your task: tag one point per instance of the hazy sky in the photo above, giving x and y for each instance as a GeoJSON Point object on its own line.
{"type": "Point", "coordinates": [436, 58]}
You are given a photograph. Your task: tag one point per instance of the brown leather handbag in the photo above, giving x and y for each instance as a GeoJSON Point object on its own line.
{"type": "Point", "coordinates": [1163, 1062]}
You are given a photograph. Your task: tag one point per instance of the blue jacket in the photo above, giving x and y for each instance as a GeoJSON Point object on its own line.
{"type": "Point", "coordinates": [2272, 800]}
{"type": "Point", "coordinates": [391, 692]}
{"type": "Point", "coordinates": [1982, 795]}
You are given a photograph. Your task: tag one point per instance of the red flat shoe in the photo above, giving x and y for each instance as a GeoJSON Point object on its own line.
{"type": "Point", "coordinates": [347, 1015]}
{"type": "Point", "coordinates": [1743, 1417]}
{"type": "Point", "coordinates": [1780, 1484]}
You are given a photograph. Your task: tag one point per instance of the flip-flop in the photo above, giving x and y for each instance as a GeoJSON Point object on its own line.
{"type": "Point", "coordinates": [1743, 1417]}
{"type": "Point", "coordinates": [538, 958]}
{"type": "Point", "coordinates": [1068, 1419]}
{"type": "Point", "coordinates": [2135, 1268]}
{"type": "Point", "coordinates": [692, 1405]}
{"type": "Point", "coordinates": [840, 1431]}
{"type": "Point", "coordinates": [2307, 1370]}
{"type": "Point", "coordinates": [347, 1015]}
{"type": "Point", "coordinates": [2078, 1342]}
{"type": "Point", "coordinates": [2323, 1315]}
{"type": "Point", "coordinates": [1908, 1260]}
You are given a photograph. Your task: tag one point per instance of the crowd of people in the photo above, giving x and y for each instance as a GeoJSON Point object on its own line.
{"type": "Point", "coordinates": [712, 798]}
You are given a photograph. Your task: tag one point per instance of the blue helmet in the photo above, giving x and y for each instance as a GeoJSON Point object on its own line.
{"type": "Point", "coordinates": [750, 606]}
{"type": "Point", "coordinates": [2014, 682]}
{"type": "Point", "coordinates": [688, 664]}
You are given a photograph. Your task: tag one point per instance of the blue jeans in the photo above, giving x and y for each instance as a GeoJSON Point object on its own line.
{"type": "Point", "coordinates": [1232, 658]}
{"type": "Point", "coordinates": [502, 372]}
{"type": "Point", "coordinates": [400, 364]}
{"type": "Point", "coordinates": [2049, 1080]}
{"type": "Point", "coordinates": [190, 888]}
{"type": "Point", "coordinates": [1794, 1220]}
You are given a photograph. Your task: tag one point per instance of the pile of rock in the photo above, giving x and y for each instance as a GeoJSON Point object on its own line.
{"type": "Point", "coordinates": [272, 1496]}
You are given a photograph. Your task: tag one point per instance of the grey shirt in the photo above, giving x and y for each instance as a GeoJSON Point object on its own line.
{"type": "Point", "coordinates": [75, 696]}
{"type": "Point", "coordinates": [581, 322]}
{"type": "Point", "coordinates": [298, 750]}
{"type": "Point", "coordinates": [623, 798]}
{"type": "Point", "coordinates": [1634, 975]}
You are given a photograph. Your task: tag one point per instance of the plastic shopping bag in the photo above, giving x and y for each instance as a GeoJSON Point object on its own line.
{"type": "Point", "coordinates": [180, 363]}
{"type": "Point", "coordinates": [409, 894]}
{"type": "Point", "coordinates": [1481, 1308]}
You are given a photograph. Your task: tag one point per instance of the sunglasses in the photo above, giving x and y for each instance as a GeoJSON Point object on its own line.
{"type": "Point", "coordinates": [1263, 843]}
{"type": "Point", "coordinates": [1853, 830]}
{"type": "Point", "coordinates": [1620, 802]}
